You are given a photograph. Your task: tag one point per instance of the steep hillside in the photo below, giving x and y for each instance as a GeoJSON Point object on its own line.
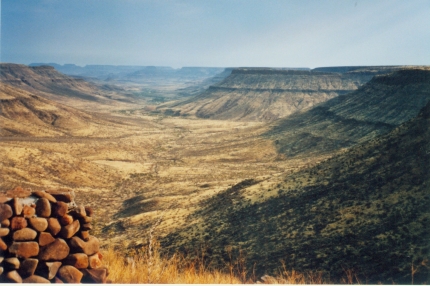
{"type": "Point", "coordinates": [374, 109]}
{"type": "Point", "coordinates": [365, 211]}
{"type": "Point", "coordinates": [25, 114]}
{"type": "Point", "coordinates": [263, 94]}
{"type": "Point", "coordinates": [45, 79]}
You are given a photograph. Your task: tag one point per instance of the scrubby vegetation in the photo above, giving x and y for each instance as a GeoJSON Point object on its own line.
{"type": "Point", "coordinates": [365, 209]}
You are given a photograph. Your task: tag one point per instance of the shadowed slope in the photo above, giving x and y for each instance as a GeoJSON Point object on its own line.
{"type": "Point", "coordinates": [375, 109]}
{"type": "Point", "coordinates": [365, 209]}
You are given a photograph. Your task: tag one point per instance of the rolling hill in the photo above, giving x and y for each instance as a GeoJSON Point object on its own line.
{"type": "Point", "coordinates": [265, 94]}
{"type": "Point", "coordinates": [25, 114]}
{"type": "Point", "coordinates": [49, 83]}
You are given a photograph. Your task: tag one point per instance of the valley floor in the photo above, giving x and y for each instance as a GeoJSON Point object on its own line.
{"type": "Point", "coordinates": [147, 170]}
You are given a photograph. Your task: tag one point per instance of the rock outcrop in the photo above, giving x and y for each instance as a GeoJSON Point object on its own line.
{"type": "Point", "coordinates": [44, 238]}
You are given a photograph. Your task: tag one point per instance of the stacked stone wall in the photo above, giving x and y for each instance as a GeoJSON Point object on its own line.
{"type": "Point", "coordinates": [45, 237]}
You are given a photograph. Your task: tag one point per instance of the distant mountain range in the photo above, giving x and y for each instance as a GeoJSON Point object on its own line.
{"type": "Point", "coordinates": [135, 73]}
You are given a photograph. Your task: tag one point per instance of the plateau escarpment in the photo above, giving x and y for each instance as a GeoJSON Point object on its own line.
{"type": "Point", "coordinates": [375, 109]}
{"type": "Point", "coordinates": [263, 94]}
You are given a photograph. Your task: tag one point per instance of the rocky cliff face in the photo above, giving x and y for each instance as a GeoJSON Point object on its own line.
{"type": "Point", "coordinates": [264, 94]}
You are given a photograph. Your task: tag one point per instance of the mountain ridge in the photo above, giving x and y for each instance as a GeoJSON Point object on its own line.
{"type": "Point", "coordinates": [267, 94]}
{"type": "Point", "coordinates": [51, 84]}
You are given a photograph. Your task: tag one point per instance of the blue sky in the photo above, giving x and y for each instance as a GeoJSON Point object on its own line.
{"type": "Point", "coordinates": [219, 33]}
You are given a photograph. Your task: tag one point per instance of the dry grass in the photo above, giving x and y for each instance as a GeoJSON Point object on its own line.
{"type": "Point", "coordinates": [147, 265]}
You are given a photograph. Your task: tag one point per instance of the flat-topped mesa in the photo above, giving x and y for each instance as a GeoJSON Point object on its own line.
{"type": "Point", "coordinates": [44, 237]}
{"type": "Point", "coordinates": [267, 94]}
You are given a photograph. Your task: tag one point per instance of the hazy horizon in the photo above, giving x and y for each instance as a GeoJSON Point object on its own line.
{"type": "Point", "coordinates": [237, 33]}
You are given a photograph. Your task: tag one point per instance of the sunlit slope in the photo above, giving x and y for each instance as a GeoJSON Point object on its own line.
{"type": "Point", "coordinates": [25, 114]}
{"type": "Point", "coordinates": [365, 209]}
{"type": "Point", "coordinates": [266, 94]}
{"type": "Point", "coordinates": [374, 109]}
{"type": "Point", "coordinates": [46, 81]}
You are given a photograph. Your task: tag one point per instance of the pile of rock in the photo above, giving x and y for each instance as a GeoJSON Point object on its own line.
{"type": "Point", "coordinates": [44, 237]}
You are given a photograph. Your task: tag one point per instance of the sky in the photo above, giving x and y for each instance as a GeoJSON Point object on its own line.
{"type": "Point", "coordinates": [216, 33]}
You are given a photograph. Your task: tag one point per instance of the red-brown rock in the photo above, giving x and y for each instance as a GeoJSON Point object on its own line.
{"type": "Point", "coordinates": [28, 211]}
{"type": "Point", "coordinates": [3, 245]}
{"type": "Point", "coordinates": [5, 211]}
{"type": "Point", "coordinates": [5, 223]}
{"type": "Point", "coordinates": [12, 263]}
{"type": "Point", "coordinates": [66, 196]}
{"type": "Point", "coordinates": [4, 231]}
{"type": "Point", "coordinates": [18, 192]}
{"type": "Point", "coordinates": [94, 261]}
{"type": "Point", "coordinates": [94, 275]}
{"type": "Point", "coordinates": [89, 211]}
{"type": "Point", "coordinates": [18, 222]}
{"type": "Point", "coordinates": [79, 212]}
{"type": "Point", "coordinates": [43, 207]}
{"type": "Point", "coordinates": [24, 234]}
{"type": "Point", "coordinates": [85, 235]}
{"type": "Point", "coordinates": [89, 247]}
{"type": "Point", "coordinates": [25, 249]}
{"type": "Point", "coordinates": [45, 195]}
{"type": "Point", "coordinates": [35, 279]}
{"type": "Point", "coordinates": [38, 223]}
{"type": "Point", "coordinates": [14, 276]}
{"type": "Point", "coordinates": [86, 219]}
{"type": "Point", "coordinates": [69, 274]}
{"type": "Point", "coordinates": [57, 280]}
{"type": "Point", "coordinates": [66, 219]}
{"type": "Point", "coordinates": [69, 230]}
{"type": "Point", "coordinates": [45, 238]}
{"type": "Point", "coordinates": [60, 209]}
{"type": "Point", "coordinates": [28, 267]}
{"type": "Point", "coordinates": [56, 250]}
{"type": "Point", "coordinates": [51, 269]}
{"type": "Point", "coordinates": [54, 226]}
{"type": "Point", "coordinates": [78, 260]}
{"type": "Point", "coordinates": [16, 206]}
{"type": "Point", "coordinates": [86, 226]}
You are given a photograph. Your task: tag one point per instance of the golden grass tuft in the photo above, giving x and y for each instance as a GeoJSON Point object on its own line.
{"type": "Point", "coordinates": [149, 266]}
